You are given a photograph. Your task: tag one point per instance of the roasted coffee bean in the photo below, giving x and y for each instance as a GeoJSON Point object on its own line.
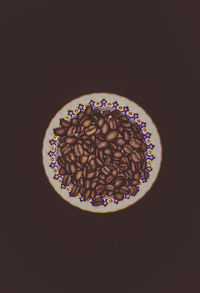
{"type": "Point", "coordinates": [64, 123]}
{"type": "Point", "coordinates": [142, 155]}
{"type": "Point", "coordinates": [114, 173]}
{"type": "Point", "coordinates": [125, 160]}
{"type": "Point", "coordinates": [104, 128]}
{"type": "Point", "coordinates": [134, 182]}
{"type": "Point", "coordinates": [61, 161]}
{"type": "Point", "coordinates": [72, 156]}
{"type": "Point", "coordinates": [99, 189]}
{"type": "Point", "coordinates": [124, 189]}
{"type": "Point", "coordinates": [62, 144]}
{"type": "Point", "coordinates": [129, 174]}
{"type": "Point", "coordinates": [83, 159]}
{"type": "Point", "coordinates": [82, 190]}
{"type": "Point", "coordinates": [79, 165]}
{"type": "Point", "coordinates": [88, 142]}
{"type": "Point", "coordinates": [59, 131]}
{"type": "Point", "coordinates": [119, 196]}
{"type": "Point", "coordinates": [109, 179]}
{"type": "Point", "coordinates": [99, 162]}
{"type": "Point", "coordinates": [101, 176]}
{"type": "Point", "coordinates": [113, 123]}
{"type": "Point", "coordinates": [118, 182]}
{"type": "Point", "coordinates": [75, 121]}
{"type": "Point", "coordinates": [126, 124]}
{"type": "Point", "coordinates": [85, 172]}
{"type": "Point", "coordinates": [74, 191]}
{"type": "Point", "coordinates": [93, 164]}
{"type": "Point", "coordinates": [115, 114]}
{"type": "Point", "coordinates": [91, 175]}
{"type": "Point", "coordinates": [124, 118]}
{"type": "Point", "coordinates": [113, 146]}
{"type": "Point", "coordinates": [126, 136]}
{"type": "Point", "coordinates": [73, 168]}
{"type": "Point", "coordinates": [136, 157]}
{"type": "Point", "coordinates": [116, 164]}
{"type": "Point", "coordinates": [85, 146]}
{"type": "Point", "coordinates": [135, 143]}
{"type": "Point", "coordinates": [101, 154]}
{"type": "Point", "coordinates": [112, 135]}
{"type": "Point", "coordinates": [139, 136]}
{"type": "Point", "coordinates": [97, 201]}
{"type": "Point", "coordinates": [144, 165]}
{"type": "Point", "coordinates": [66, 150]}
{"type": "Point", "coordinates": [78, 149]}
{"type": "Point", "coordinates": [91, 149]}
{"type": "Point", "coordinates": [66, 180]}
{"type": "Point", "coordinates": [62, 171]}
{"type": "Point", "coordinates": [106, 170]}
{"type": "Point", "coordinates": [107, 152]}
{"type": "Point", "coordinates": [145, 175]}
{"type": "Point", "coordinates": [91, 130]}
{"type": "Point", "coordinates": [133, 167]}
{"type": "Point", "coordinates": [143, 147]}
{"type": "Point", "coordinates": [102, 145]}
{"type": "Point", "coordinates": [87, 183]}
{"type": "Point", "coordinates": [121, 129]}
{"type": "Point", "coordinates": [128, 149]}
{"type": "Point", "coordinates": [136, 176]}
{"type": "Point", "coordinates": [120, 142]}
{"type": "Point", "coordinates": [123, 167]}
{"type": "Point", "coordinates": [81, 181]}
{"type": "Point", "coordinates": [71, 130]}
{"type": "Point", "coordinates": [101, 181]}
{"type": "Point", "coordinates": [93, 184]}
{"type": "Point", "coordinates": [78, 174]}
{"type": "Point", "coordinates": [117, 155]}
{"type": "Point", "coordinates": [133, 190]}
{"type": "Point", "coordinates": [110, 192]}
{"type": "Point", "coordinates": [91, 157]}
{"type": "Point", "coordinates": [86, 194]}
{"type": "Point", "coordinates": [110, 187]}
{"type": "Point", "coordinates": [86, 123]}
{"type": "Point", "coordinates": [80, 115]}
{"type": "Point", "coordinates": [107, 160]}
{"type": "Point", "coordinates": [88, 110]}
{"type": "Point", "coordinates": [92, 194]}
{"type": "Point", "coordinates": [101, 122]}
{"type": "Point", "coordinates": [62, 138]}
{"type": "Point", "coordinates": [106, 113]}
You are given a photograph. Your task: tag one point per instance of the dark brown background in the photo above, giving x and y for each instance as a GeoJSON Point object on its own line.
{"type": "Point", "coordinates": [53, 53]}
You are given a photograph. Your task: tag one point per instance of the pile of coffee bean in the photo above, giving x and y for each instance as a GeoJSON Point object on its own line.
{"type": "Point", "coordinates": [102, 154]}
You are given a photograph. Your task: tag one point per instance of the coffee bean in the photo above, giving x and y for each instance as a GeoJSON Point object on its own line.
{"type": "Point", "coordinates": [71, 130]}
{"type": "Point", "coordinates": [106, 170]}
{"type": "Point", "coordinates": [107, 152]}
{"type": "Point", "coordinates": [74, 191]}
{"type": "Point", "coordinates": [120, 142]}
{"type": "Point", "coordinates": [126, 124]}
{"type": "Point", "coordinates": [101, 122]}
{"type": "Point", "coordinates": [67, 167]}
{"type": "Point", "coordinates": [113, 146]}
{"type": "Point", "coordinates": [102, 145]}
{"type": "Point", "coordinates": [104, 128]}
{"type": "Point", "coordinates": [128, 149]}
{"type": "Point", "coordinates": [137, 176]}
{"type": "Point", "coordinates": [64, 123]}
{"type": "Point", "coordinates": [117, 155]}
{"type": "Point", "coordinates": [62, 171]}
{"type": "Point", "coordinates": [135, 143]}
{"type": "Point", "coordinates": [86, 123]}
{"type": "Point", "coordinates": [78, 149]}
{"type": "Point", "coordinates": [136, 157]}
{"type": "Point", "coordinates": [110, 187]}
{"type": "Point", "coordinates": [107, 160]}
{"type": "Point", "coordinates": [61, 161]}
{"type": "Point", "coordinates": [73, 168]}
{"type": "Point", "coordinates": [62, 138]}
{"type": "Point", "coordinates": [123, 167]}
{"type": "Point", "coordinates": [144, 165]}
{"type": "Point", "coordinates": [143, 147]}
{"type": "Point", "coordinates": [91, 157]}
{"type": "Point", "coordinates": [101, 155]}
{"type": "Point", "coordinates": [125, 160]}
{"type": "Point", "coordinates": [59, 131]}
{"type": "Point", "coordinates": [82, 190]}
{"type": "Point", "coordinates": [115, 114]}
{"type": "Point", "coordinates": [93, 184]}
{"type": "Point", "coordinates": [110, 192]}
{"type": "Point", "coordinates": [70, 140]}
{"type": "Point", "coordinates": [92, 194]}
{"type": "Point", "coordinates": [139, 136]}
{"type": "Point", "coordinates": [85, 172]}
{"type": "Point", "coordinates": [113, 123]}
{"type": "Point", "coordinates": [99, 162]}
{"type": "Point", "coordinates": [62, 144]}
{"type": "Point", "coordinates": [101, 176]}
{"type": "Point", "coordinates": [109, 178]}
{"type": "Point", "coordinates": [119, 196]}
{"type": "Point", "coordinates": [124, 118]}
{"type": "Point", "coordinates": [112, 135]}
{"type": "Point", "coordinates": [91, 149]}
{"type": "Point", "coordinates": [91, 130]}
{"type": "Point", "coordinates": [88, 110]}
{"type": "Point", "coordinates": [91, 175]}
{"type": "Point", "coordinates": [79, 174]}
{"type": "Point", "coordinates": [133, 168]}
{"type": "Point", "coordinates": [144, 175]}
{"type": "Point", "coordinates": [75, 121]}
{"type": "Point", "coordinates": [97, 201]}
{"type": "Point", "coordinates": [86, 194]}
{"type": "Point", "coordinates": [124, 189]}
{"type": "Point", "coordinates": [134, 182]}
{"type": "Point", "coordinates": [80, 115]}
{"type": "Point", "coordinates": [87, 183]}
{"type": "Point", "coordinates": [66, 150]}
{"type": "Point", "coordinates": [106, 113]}
{"type": "Point", "coordinates": [133, 190]}
{"type": "Point", "coordinates": [88, 142]}
{"type": "Point", "coordinates": [101, 181]}
{"type": "Point", "coordinates": [79, 165]}
{"type": "Point", "coordinates": [66, 180]}
{"type": "Point", "coordinates": [118, 182]}
{"type": "Point", "coordinates": [93, 164]}
{"type": "Point", "coordinates": [72, 156]}
{"type": "Point", "coordinates": [114, 173]}
{"type": "Point", "coordinates": [81, 181]}
{"type": "Point", "coordinates": [83, 159]}
{"type": "Point", "coordinates": [99, 189]}
{"type": "Point", "coordinates": [126, 135]}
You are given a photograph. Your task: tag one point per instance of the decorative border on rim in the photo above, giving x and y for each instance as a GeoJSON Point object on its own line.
{"type": "Point", "coordinates": [103, 104]}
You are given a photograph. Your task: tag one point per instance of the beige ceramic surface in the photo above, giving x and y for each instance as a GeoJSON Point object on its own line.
{"type": "Point", "coordinates": [143, 117]}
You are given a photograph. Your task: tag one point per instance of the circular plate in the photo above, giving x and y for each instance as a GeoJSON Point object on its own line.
{"type": "Point", "coordinates": [112, 102]}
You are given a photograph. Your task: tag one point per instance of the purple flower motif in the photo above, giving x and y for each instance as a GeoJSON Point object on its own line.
{"type": "Point", "coordinates": [62, 186]}
{"type": "Point", "coordinates": [126, 109]}
{"type": "Point", "coordinates": [115, 104]}
{"type": "Point", "coordinates": [52, 165]}
{"type": "Point", "coordinates": [135, 116]}
{"type": "Point", "coordinates": [151, 146]}
{"type": "Point", "coordinates": [52, 141]}
{"type": "Point", "coordinates": [70, 113]}
{"type": "Point", "coordinates": [56, 176]}
{"type": "Point", "coordinates": [92, 103]}
{"type": "Point", "coordinates": [51, 153]}
{"type": "Point", "coordinates": [143, 124]}
{"type": "Point", "coordinates": [80, 107]}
